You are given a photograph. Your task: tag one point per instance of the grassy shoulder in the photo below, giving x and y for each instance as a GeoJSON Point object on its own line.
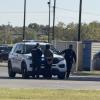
{"type": "Point", "coordinates": [48, 94]}
{"type": "Point", "coordinates": [86, 73]}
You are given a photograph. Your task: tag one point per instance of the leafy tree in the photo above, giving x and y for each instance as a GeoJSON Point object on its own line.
{"type": "Point", "coordinates": [34, 26]}
{"type": "Point", "coordinates": [10, 34]}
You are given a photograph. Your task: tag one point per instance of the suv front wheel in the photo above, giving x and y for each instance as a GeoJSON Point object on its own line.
{"type": "Point", "coordinates": [24, 71]}
{"type": "Point", "coordinates": [10, 71]}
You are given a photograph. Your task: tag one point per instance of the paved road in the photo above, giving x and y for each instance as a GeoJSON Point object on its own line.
{"type": "Point", "coordinates": [75, 82]}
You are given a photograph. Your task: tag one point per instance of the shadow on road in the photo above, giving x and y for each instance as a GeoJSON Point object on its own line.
{"type": "Point", "coordinates": [5, 77]}
{"type": "Point", "coordinates": [72, 78]}
{"type": "Point", "coordinates": [84, 78]}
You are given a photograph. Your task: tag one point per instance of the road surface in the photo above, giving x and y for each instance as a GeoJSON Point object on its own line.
{"type": "Point", "coordinates": [75, 82]}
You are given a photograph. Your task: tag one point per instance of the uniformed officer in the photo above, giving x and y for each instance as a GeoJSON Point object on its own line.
{"type": "Point", "coordinates": [36, 60]}
{"type": "Point", "coordinates": [48, 56]}
{"type": "Point", "coordinates": [69, 56]}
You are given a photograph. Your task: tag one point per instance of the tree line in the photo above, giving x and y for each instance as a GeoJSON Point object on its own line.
{"type": "Point", "coordinates": [89, 32]}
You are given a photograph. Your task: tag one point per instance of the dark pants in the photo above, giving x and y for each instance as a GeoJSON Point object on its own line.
{"type": "Point", "coordinates": [47, 70]}
{"type": "Point", "coordinates": [36, 69]}
{"type": "Point", "coordinates": [69, 67]}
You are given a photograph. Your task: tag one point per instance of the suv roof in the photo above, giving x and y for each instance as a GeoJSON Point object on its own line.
{"type": "Point", "coordinates": [34, 41]}
{"type": "Point", "coordinates": [30, 42]}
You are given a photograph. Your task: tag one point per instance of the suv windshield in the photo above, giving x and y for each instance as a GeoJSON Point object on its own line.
{"type": "Point", "coordinates": [28, 48]}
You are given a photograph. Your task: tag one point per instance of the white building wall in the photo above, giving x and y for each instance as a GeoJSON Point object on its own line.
{"type": "Point", "coordinates": [95, 48]}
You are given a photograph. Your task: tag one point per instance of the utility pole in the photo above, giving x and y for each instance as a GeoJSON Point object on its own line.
{"type": "Point", "coordinates": [79, 31]}
{"type": "Point", "coordinates": [24, 19]}
{"type": "Point", "coordinates": [79, 25]}
{"type": "Point", "coordinates": [53, 33]}
{"type": "Point", "coordinates": [49, 3]}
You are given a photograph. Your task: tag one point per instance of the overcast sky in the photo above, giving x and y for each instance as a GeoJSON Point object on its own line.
{"type": "Point", "coordinates": [11, 11]}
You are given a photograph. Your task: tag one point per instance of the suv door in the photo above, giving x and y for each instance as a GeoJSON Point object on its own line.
{"type": "Point", "coordinates": [15, 57]}
{"type": "Point", "coordinates": [19, 57]}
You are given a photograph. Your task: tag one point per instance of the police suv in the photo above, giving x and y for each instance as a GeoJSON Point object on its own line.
{"type": "Point", "coordinates": [20, 60]}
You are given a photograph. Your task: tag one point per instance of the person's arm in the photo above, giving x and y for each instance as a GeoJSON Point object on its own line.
{"type": "Point", "coordinates": [51, 53]}
{"type": "Point", "coordinates": [74, 55]}
{"type": "Point", "coordinates": [40, 52]}
{"type": "Point", "coordinates": [62, 52]}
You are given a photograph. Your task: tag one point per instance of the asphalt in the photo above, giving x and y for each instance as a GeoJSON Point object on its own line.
{"type": "Point", "coordinates": [3, 64]}
{"type": "Point", "coordinates": [74, 82]}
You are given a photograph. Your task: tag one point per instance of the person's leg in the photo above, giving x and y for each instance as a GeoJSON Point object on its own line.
{"type": "Point", "coordinates": [38, 70]}
{"type": "Point", "coordinates": [34, 70]}
{"type": "Point", "coordinates": [69, 66]}
{"type": "Point", "coordinates": [47, 70]}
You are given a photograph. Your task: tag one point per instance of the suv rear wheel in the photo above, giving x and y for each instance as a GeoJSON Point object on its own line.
{"type": "Point", "coordinates": [24, 71]}
{"type": "Point", "coordinates": [10, 71]}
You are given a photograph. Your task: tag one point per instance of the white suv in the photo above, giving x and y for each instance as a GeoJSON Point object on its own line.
{"type": "Point", "coordinates": [20, 60]}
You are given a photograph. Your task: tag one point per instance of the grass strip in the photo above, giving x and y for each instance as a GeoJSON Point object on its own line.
{"type": "Point", "coordinates": [48, 94]}
{"type": "Point", "coordinates": [87, 73]}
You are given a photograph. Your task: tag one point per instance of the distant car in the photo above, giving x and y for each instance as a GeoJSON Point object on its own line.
{"type": "Point", "coordinates": [20, 60]}
{"type": "Point", "coordinates": [96, 61]}
{"type": "Point", "coordinates": [4, 52]}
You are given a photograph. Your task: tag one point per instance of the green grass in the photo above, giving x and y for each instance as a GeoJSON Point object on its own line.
{"type": "Point", "coordinates": [48, 94]}
{"type": "Point", "coordinates": [87, 73]}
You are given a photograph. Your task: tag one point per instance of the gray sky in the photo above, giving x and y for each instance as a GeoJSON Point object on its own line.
{"type": "Point", "coordinates": [11, 11]}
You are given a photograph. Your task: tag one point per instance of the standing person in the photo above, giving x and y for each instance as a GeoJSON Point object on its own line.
{"type": "Point", "coordinates": [69, 56]}
{"type": "Point", "coordinates": [36, 60]}
{"type": "Point", "coordinates": [48, 56]}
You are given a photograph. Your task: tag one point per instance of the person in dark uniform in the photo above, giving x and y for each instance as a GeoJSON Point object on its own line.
{"type": "Point", "coordinates": [48, 56]}
{"type": "Point", "coordinates": [69, 56]}
{"type": "Point", "coordinates": [36, 60]}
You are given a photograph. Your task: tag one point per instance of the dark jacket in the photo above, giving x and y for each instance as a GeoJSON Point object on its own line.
{"type": "Point", "coordinates": [36, 55]}
{"type": "Point", "coordinates": [69, 55]}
